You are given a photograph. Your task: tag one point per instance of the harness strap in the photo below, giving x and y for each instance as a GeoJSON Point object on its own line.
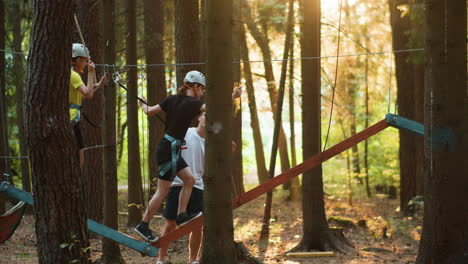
{"type": "Point", "coordinates": [78, 115]}
{"type": "Point", "coordinates": [172, 164]}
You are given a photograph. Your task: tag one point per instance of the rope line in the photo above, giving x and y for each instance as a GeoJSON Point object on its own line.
{"type": "Point", "coordinates": [14, 157]}
{"type": "Point", "coordinates": [250, 61]}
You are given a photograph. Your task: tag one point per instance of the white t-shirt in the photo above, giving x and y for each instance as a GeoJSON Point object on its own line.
{"type": "Point", "coordinates": [194, 155]}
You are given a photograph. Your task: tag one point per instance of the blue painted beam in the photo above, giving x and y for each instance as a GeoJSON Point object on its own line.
{"type": "Point", "coordinates": [404, 123]}
{"type": "Point", "coordinates": [93, 226]}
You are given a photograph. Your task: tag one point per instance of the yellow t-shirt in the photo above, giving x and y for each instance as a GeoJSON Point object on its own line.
{"type": "Point", "coordinates": [74, 93]}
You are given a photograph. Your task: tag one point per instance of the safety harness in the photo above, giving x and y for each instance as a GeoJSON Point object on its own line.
{"type": "Point", "coordinates": [78, 113]}
{"type": "Point", "coordinates": [175, 154]}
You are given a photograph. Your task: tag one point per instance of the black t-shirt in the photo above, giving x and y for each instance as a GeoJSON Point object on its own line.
{"type": "Point", "coordinates": [180, 111]}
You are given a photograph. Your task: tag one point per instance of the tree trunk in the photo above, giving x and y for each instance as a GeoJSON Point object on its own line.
{"type": "Point", "coordinates": [187, 37]}
{"type": "Point", "coordinates": [264, 233]}
{"type": "Point", "coordinates": [317, 235]}
{"type": "Point", "coordinates": [4, 164]}
{"type": "Point", "coordinates": [405, 99]}
{"type": "Point", "coordinates": [134, 172]}
{"type": "Point", "coordinates": [366, 124]}
{"type": "Point", "coordinates": [110, 249]}
{"type": "Point", "coordinates": [156, 81]}
{"type": "Point", "coordinates": [445, 232]}
{"type": "Point", "coordinates": [254, 121]}
{"type": "Point", "coordinates": [88, 17]}
{"type": "Point", "coordinates": [295, 190]}
{"type": "Point", "coordinates": [237, 168]}
{"type": "Point", "coordinates": [58, 188]}
{"type": "Point", "coordinates": [218, 237]}
{"type": "Point", "coordinates": [262, 40]}
{"type": "Point", "coordinates": [18, 64]}
{"type": "Point", "coordinates": [417, 7]}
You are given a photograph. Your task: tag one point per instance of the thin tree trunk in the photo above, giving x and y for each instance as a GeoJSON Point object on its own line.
{"type": "Point", "coordinates": [88, 17]}
{"type": "Point", "coordinates": [295, 190]}
{"type": "Point", "coordinates": [218, 236]}
{"type": "Point", "coordinates": [4, 163]}
{"type": "Point", "coordinates": [262, 40]}
{"type": "Point", "coordinates": [187, 37]}
{"type": "Point", "coordinates": [18, 65]}
{"type": "Point", "coordinates": [156, 81]}
{"type": "Point", "coordinates": [237, 168]}
{"type": "Point", "coordinates": [445, 232]}
{"type": "Point", "coordinates": [134, 173]}
{"type": "Point", "coordinates": [405, 98]}
{"type": "Point", "coordinates": [110, 249]}
{"type": "Point", "coordinates": [58, 188]}
{"type": "Point", "coordinates": [264, 233]}
{"type": "Point", "coordinates": [254, 121]}
{"type": "Point", "coordinates": [366, 124]}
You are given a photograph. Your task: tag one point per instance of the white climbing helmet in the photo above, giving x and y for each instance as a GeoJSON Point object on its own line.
{"type": "Point", "coordinates": [79, 50]}
{"type": "Point", "coordinates": [195, 77]}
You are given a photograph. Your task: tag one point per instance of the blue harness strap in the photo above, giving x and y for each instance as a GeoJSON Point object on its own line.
{"type": "Point", "coordinates": [172, 164]}
{"type": "Point", "coordinates": [77, 116]}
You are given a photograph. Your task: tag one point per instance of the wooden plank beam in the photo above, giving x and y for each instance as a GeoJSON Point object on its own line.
{"type": "Point", "coordinates": [93, 226]}
{"type": "Point", "coordinates": [280, 179]}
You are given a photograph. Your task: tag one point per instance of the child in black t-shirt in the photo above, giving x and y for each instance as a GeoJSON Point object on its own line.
{"type": "Point", "coordinates": [180, 110]}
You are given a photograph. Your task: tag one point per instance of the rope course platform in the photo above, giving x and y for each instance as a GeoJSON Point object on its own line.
{"type": "Point", "coordinates": [93, 226]}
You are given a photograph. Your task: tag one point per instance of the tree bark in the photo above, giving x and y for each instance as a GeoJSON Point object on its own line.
{"type": "Point", "coordinates": [58, 188]}
{"type": "Point", "coordinates": [156, 81]}
{"type": "Point", "coordinates": [445, 233]}
{"type": "Point", "coordinates": [187, 37]}
{"type": "Point", "coordinates": [317, 235]}
{"type": "Point", "coordinates": [405, 99]}
{"type": "Point", "coordinates": [254, 121]}
{"type": "Point", "coordinates": [110, 249]}
{"type": "Point", "coordinates": [88, 18]}
{"type": "Point", "coordinates": [218, 237]}
{"type": "Point", "coordinates": [135, 202]}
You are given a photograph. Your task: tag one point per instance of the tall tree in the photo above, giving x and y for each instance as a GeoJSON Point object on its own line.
{"type": "Point", "coordinates": [187, 37]}
{"type": "Point", "coordinates": [264, 233]}
{"type": "Point", "coordinates": [18, 64]}
{"type": "Point", "coordinates": [134, 172]}
{"type": "Point", "coordinates": [317, 235]}
{"type": "Point", "coordinates": [156, 81]}
{"type": "Point", "coordinates": [58, 188]}
{"type": "Point", "coordinates": [89, 24]}
{"type": "Point", "coordinates": [401, 26]}
{"type": "Point", "coordinates": [4, 165]}
{"type": "Point", "coordinates": [110, 249]}
{"type": "Point", "coordinates": [218, 238]}
{"type": "Point", "coordinates": [237, 166]}
{"type": "Point", "coordinates": [445, 233]}
{"type": "Point", "coordinates": [254, 121]}
{"type": "Point", "coordinates": [263, 42]}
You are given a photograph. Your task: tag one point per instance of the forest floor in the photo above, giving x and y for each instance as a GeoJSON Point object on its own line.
{"type": "Point", "coordinates": [387, 237]}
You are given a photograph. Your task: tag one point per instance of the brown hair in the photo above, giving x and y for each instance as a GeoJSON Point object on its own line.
{"type": "Point", "coordinates": [183, 89]}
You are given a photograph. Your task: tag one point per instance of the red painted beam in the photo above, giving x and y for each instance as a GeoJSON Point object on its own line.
{"type": "Point", "coordinates": [280, 179]}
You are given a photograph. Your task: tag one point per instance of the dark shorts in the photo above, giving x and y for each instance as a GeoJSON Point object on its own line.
{"type": "Point", "coordinates": [164, 155]}
{"type": "Point", "coordinates": [78, 136]}
{"type": "Point", "coordinates": [195, 204]}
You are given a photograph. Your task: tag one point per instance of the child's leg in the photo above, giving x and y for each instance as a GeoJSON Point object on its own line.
{"type": "Point", "coordinates": [184, 197]}
{"type": "Point", "coordinates": [157, 199]}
